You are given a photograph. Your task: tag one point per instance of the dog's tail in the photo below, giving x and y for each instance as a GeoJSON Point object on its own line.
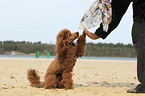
{"type": "Point", "coordinates": [34, 78]}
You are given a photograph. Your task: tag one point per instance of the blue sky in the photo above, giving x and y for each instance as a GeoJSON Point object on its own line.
{"type": "Point", "coordinates": [41, 20]}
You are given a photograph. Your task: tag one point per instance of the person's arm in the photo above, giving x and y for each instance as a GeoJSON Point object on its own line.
{"type": "Point", "coordinates": [118, 10]}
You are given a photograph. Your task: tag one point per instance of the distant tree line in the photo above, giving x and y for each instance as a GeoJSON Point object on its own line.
{"type": "Point", "coordinates": [26, 47]}
{"type": "Point", "coordinates": [98, 50]}
{"type": "Point", "coordinates": [110, 50]}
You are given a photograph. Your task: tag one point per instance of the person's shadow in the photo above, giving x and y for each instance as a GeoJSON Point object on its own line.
{"type": "Point", "coordinates": [106, 84]}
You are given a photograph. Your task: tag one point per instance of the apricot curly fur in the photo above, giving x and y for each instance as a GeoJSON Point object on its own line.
{"type": "Point", "coordinates": [59, 73]}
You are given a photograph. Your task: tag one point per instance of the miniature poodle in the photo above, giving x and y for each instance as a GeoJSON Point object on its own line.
{"type": "Point", "coordinates": [59, 73]}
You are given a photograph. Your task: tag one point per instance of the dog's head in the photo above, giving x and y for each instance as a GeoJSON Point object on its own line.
{"type": "Point", "coordinates": [66, 36]}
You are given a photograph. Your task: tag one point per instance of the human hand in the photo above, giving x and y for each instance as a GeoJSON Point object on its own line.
{"type": "Point", "coordinates": [86, 31]}
{"type": "Point", "coordinates": [91, 35]}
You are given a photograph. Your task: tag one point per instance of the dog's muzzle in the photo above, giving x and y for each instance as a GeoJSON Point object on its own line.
{"type": "Point", "coordinates": [77, 33]}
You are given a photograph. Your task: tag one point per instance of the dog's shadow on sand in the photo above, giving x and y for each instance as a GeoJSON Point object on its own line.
{"type": "Point", "coordinates": [106, 84]}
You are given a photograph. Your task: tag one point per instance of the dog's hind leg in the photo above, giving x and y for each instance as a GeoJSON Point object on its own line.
{"type": "Point", "coordinates": [59, 78]}
{"type": "Point", "coordinates": [67, 80]}
{"type": "Point", "coordinates": [51, 82]}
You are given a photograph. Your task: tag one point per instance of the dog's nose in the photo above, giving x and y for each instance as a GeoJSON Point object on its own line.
{"type": "Point", "coordinates": [77, 33]}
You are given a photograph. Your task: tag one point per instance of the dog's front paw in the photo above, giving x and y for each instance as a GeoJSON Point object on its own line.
{"type": "Point", "coordinates": [84, 34]}
{"type": "Point", "coordinates": [64, 43]}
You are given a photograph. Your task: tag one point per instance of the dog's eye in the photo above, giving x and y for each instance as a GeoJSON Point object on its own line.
{"type": "Point", "coordinates": [69, 34]}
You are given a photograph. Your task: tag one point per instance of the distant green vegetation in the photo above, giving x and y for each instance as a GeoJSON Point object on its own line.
{"type": "Point", "coordinates": [110, 50]}
{"type": "Point", "coordinates": [98, 50]}
{"type": "Point", "coordinates": [26, 47]}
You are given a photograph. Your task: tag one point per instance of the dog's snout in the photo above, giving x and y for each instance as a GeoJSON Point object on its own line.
{"type": "Point", "coordinates": [77, 33]}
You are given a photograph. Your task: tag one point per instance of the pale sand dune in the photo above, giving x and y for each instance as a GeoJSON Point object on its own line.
{"type": "Point", "coordinates": [91, 78]}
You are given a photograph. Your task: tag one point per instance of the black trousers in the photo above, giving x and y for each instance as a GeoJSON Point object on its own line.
{"type": "Point", "coordinates": [138, 37]}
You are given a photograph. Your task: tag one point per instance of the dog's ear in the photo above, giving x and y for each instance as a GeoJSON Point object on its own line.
{"type": "Point", "coordinates": [60, 44]}
{"type": "Point", "coordinates": [60, 37]}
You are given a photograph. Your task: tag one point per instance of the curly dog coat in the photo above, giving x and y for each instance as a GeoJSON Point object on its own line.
{"type": "Point", "coordinates": [59, 73]}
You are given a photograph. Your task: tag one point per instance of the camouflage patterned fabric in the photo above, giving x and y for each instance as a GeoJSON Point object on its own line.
{"type": "Point", "coordinates": [100, 11]}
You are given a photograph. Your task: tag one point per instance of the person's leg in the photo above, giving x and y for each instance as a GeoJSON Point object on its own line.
{"type": "Point", "coordinates": [138, 35]}
{"type": "Point", "coordinates": [141, 56]}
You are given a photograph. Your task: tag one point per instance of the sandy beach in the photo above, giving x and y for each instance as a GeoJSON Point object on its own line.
{"type": "Point", "coordinates": [91, 78]}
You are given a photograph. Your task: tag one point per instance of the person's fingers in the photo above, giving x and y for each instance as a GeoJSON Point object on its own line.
{"type": "Point", "coordinates": [86, 31]}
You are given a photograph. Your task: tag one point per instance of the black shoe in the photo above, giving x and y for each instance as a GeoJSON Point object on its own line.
{"type": "Point", "coordinates": [138, 89]}
{"type": "Point", "coordinates": [131, 91]}
{"type": "Point", "coordinates": [134, 91]}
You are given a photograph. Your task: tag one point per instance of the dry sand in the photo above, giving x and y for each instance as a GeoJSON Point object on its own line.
{"type": "Point", "coordinates": [91, 78]}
